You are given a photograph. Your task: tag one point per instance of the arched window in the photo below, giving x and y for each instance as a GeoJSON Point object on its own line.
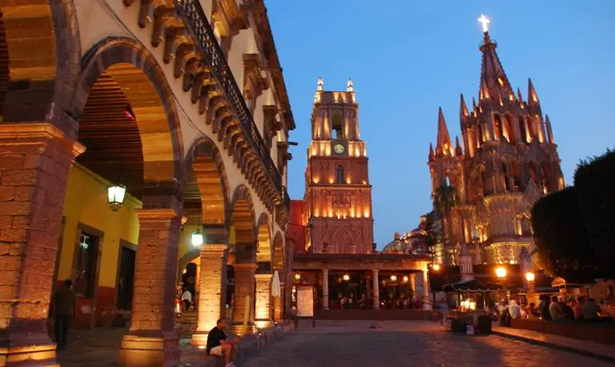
{"type": "Point", "coordinates": [483, 182]}
{"type": "Point", "coordinates": [505, 177]}
{"type": "Point", "coordinates": [516, 175]}
{"type": "Point", "coordinates": [337, 127]}
{"type": "Point", "coordinates": [510, 131]}
{"type": "Point", "coordinates": [522, 129]}
{"type": "Point", "coordinates": [533, 172]}
{"type": "Point", "coordinates": [526, 228]}
{"type": "Point", "coordinates": [479, 134]}
{"type": "Point", "coordinates": [339, 175]}
{"type": "Point", "coordinates": [499, 131]}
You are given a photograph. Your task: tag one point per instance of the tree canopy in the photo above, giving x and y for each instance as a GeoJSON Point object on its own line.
{"type": "Point", "coordinates": [561, 238]}
{"type": "Point", "coordinates": [594, 180]}
{"type": "Point", "coordinates": [574, 229]}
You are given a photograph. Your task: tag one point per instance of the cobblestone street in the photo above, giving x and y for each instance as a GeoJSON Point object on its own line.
{"type": "Point", "coordinates": [400, 343]}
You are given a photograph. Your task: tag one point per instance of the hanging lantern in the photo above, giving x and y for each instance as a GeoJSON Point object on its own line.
{"type": "Point", "coordinates": [115, 196]}
{"type": "Point", "coordinates": [197, 238]}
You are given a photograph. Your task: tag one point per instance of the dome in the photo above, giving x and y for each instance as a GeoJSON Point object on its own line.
{"type": "Point", "coordinates": [393, 247]}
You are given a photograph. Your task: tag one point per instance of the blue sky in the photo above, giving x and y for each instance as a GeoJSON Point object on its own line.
{"type": "Point", "coordinates": [409, 57]}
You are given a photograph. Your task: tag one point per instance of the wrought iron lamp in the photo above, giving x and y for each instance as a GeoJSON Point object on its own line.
{"type": "Point", "coordinates": [115, 196]}
{"type": "Point", "coordinates": [197, 238]}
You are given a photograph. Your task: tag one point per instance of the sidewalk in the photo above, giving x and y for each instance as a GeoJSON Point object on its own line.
{"type": "Point", "coordinates": [604, 352]}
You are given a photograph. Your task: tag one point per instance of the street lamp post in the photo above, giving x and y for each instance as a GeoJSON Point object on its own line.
{"type": "Point", "coordinates": [500, 272]}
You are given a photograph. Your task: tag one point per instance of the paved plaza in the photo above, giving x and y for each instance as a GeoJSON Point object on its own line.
{"type": "Point", "coordinates": [405, 343]}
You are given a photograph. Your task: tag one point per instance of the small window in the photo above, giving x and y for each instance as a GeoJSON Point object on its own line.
{"type": "Point", "coordinates": [87, 265]}
{"type": "Point", "coordinates": [339, 174]}
{"type": "Point", "coordinates": [337, 127]}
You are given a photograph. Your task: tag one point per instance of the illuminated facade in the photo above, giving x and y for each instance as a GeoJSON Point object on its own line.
{"type": "Point", "coordinates": [338, 194]}
{"type": "Point", "coordinates": [331, 229]}
{"type": "Point", "coordinates": [184, 105]}
{"type": "Point", "coordinates": [507, 161]}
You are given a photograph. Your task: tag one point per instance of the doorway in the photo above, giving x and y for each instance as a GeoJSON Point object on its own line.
{"type": "Point", "coordinates": [126, 277]}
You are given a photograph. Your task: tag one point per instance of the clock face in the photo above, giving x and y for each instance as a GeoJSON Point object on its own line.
{"type": "Point", "coordinates": [339, 148]}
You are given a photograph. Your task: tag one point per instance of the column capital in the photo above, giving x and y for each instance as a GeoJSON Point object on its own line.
{"type": "Point", "coordinates": [245, 266]}
{"type": "Point", "coordinates": [215, 233]}
{"type": "Point", "coordinates": [157, 215]}
{"type": "Point", "coordinates": [263, 276]}
{"type": "Point", "coordinates": [37, 131]}
{"type": "Point", "coordinates": [325, 270]}
{"type": "Point", "coordinates": [214, 250]}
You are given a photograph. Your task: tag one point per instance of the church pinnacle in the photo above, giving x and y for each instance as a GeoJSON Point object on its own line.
{"type": "Point", "coordinates": [494, 88]}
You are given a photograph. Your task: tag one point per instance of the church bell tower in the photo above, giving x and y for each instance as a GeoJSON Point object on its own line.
{"type": "Point", "coordinates": [338, 193]}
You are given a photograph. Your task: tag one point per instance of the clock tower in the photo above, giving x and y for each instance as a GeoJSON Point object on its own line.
{"type": "Point", "coordinates": [338, 195]}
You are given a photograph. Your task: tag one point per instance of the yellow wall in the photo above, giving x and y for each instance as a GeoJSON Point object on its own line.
{"type": "Point", "coordinates": [86, 203]}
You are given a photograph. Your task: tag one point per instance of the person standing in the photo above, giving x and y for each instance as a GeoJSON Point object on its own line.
{"type": "Point", "coordinates": [187, 300]}
{"type": "Point", "coordinates": [64, 312]}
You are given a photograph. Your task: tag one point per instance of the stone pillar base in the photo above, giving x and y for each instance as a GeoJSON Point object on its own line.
{"type": "Point", "coordinates": [238, 328]}
{"type": "Point", "coordinates": [149, 349]}
{"type": "Point", "coordinates": [427, 304]}
{"type": "Point", "coordinates": [261, 324]}
{"type": "Point", "coordinates": [199, 338]}
{"type": "Point", "coordinates": [27, 350]}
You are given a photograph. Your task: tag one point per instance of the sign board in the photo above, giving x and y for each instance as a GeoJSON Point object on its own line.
{"type": "Point", "coordinates": [305, 301]}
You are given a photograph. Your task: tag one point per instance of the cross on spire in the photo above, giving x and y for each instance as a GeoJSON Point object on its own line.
{"type": "Point", "coordinates": [484, 21]}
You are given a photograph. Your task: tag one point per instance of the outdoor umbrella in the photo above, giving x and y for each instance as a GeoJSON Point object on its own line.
{"type": "Point", "coordinates": [275, 284]}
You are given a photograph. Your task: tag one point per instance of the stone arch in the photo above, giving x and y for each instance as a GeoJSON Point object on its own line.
{"type": "Point", "coordinates": [142, 81]}
{"type": "Point", "coordinates": [341, 239]}
{"type": "Point", "coordinates": [242, 220]}
{"type": "Point", "coordinates": [264, 250]}
{"type": "Point", "coordinates": [51, 28]}
{"type": "Point", "coordinates": [183, 261]}
{"type": "Point", "coordinates": [207, 184]}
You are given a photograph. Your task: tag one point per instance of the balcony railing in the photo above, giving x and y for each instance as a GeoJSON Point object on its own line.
{"type": "Point", "coordinates": [194, 17]}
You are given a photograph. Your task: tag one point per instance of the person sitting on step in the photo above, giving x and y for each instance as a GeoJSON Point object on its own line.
{"type": "Point", "coordinates": [219, 345]}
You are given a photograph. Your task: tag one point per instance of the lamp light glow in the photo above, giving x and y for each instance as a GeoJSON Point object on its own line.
{"type": "Point", "coordinates": [115, 196]}
{"type": "Point", "coordinates": [530, 277]}
{"type": "Point", "coordinates": [393, 278]}
{"type": "Point", "coordinates": [436, 267]}
{"type": "Point", "coordinates": [500, 272]}
{"type": "Point", "coordinates": [346, 277]}
{"type": "Point", "coordinates": [197, 238]}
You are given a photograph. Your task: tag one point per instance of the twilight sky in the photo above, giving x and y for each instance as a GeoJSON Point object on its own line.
{"type": "Point", "coordinates": [408, 57]}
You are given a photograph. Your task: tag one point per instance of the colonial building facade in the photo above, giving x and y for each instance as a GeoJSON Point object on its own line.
{"type": "Point", "coordinates": [332, 227]}
{"type": "Point", "coordinates": [507, 160]}
{"type": "Point", "coordinates": [183, 104]}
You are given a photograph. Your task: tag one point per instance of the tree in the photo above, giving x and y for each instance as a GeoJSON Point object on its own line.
{"type": "Point", "coordinates": [561, 238]}
{"type": "Point", "coordinates": [594, 179]}
{"type": "Point", "coordinates": [444, 200]}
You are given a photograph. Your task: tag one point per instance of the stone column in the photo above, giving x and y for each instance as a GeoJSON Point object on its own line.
{"type": "Point", "coordinates": [262, 310]}
{"type": "Point", "coordinates": [325, 289]}
{"type": "Point", "coordinates": [244, 286]}
{"type": "Point", "coordinates": [426, 291]}
{"type": "Point", "coordinates": [412, 278]}
{"type": "Point", "coordinates": [212, 291]}
{"type": "Point", "coordinates": [35, 160]}
{"type": "Point", "coordinates": [376, 289]}
{"type": "Point", "coordinates": [151, 340]}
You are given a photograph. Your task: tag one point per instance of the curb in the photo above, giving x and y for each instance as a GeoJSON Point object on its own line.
{"type": "Point", "coordinates": [581, 352]}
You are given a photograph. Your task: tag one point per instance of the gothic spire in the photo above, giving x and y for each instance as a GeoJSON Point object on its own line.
{"type": "Point", "coordinates": [432, 156]}
{"type": "Point", "coordinates": [549, 130]}
{"type": "Point", "coordinates": [444, 145]}
{"type": "Point", "coordinates": [494, 84]}
{"type": "Point", "coordinates": [458, 150]}
{"type": "Point", "coordinates": [463, 108]}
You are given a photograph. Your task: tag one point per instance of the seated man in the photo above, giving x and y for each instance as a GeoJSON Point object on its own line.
{"type": "Point", "coordinates": [219, 345]}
